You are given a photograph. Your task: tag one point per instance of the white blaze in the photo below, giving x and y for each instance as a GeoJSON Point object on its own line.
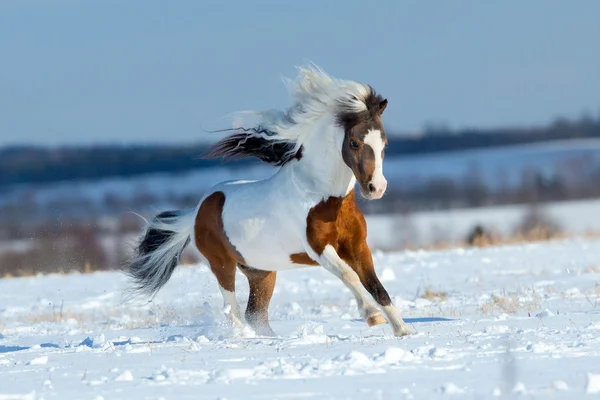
{"type": "Point", "coordinates": [373, 139]}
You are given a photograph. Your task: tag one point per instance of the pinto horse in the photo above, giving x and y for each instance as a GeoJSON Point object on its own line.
{"type": "Point", "coordinates": [303, 215]}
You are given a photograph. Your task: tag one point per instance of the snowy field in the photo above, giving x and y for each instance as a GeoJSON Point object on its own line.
{"type": "Point", "coordinates": [394, 231]}
{"type": "Point", "coordinates": [515, 320]}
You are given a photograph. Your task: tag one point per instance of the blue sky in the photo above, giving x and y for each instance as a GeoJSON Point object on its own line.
{"type": "Point", "coordinates": [79, 72]}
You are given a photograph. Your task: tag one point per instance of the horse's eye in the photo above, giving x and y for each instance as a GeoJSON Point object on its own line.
{"type": "Point", "coordinates": [354, 144]}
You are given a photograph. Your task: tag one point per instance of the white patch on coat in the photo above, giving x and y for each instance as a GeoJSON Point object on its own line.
{"type": "Point", "coordinates": [374, 140]}
{"type": "Point", "coordinates": [231, 307]}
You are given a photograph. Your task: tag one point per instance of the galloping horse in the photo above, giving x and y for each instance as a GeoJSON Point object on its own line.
{"type": "Point", "coordinates": [304, 215]}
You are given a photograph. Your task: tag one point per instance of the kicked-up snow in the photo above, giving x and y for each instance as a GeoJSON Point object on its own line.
{"type": "Point", "coordinates": [506, 321]}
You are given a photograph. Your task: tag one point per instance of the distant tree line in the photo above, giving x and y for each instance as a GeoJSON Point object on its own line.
{"type": "Point", "coordinates": [44, 165]}
{"type": "Point", "coordinates": [441, 139]}
{"type": "Point", "coordinates": [472, 191]}
{"type": "Point", "coordinates": [41, 165]}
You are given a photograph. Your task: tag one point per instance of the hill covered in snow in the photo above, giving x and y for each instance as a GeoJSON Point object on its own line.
{"type": "Point", "coordinates": [488, 322]}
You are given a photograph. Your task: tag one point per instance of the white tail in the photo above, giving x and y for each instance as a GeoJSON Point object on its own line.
{"type": "Point", "coordinates": [159, 250]}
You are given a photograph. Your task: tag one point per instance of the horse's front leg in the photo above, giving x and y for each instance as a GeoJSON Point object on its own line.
{"type": "Point", "coordinates": [362, 262]}
{"type": "Point", "coordinates": [331, 261]}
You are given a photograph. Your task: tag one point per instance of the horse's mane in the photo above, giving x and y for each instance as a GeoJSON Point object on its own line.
{"type": "Point", "coordinates": [256, 142]}
{"type": "Point", "coordinates": [279, 135]}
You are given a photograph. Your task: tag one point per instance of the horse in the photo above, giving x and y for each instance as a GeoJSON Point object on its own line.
{"type": "Point", "coordinates": [305, 214]}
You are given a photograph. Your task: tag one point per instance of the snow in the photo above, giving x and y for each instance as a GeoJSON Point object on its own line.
{"type": "Point", "coordinates": [593, 383]}
{"type": "Point", "coordinates": [39, 360]}
{"type": "Point", "coordinates": [497, 165]}
{"type": "Point", "coordinates": [392, 231]}
{"type": "Point", "coordinates": [514, 320]}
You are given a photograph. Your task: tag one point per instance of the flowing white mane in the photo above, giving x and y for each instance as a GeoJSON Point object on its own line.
{"type": "Point", "coordinates": [314, 93]}
{"type": "Point", "coordinates": [278, 135]}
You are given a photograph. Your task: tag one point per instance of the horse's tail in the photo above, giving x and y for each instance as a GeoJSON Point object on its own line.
{"type": "Point", "coordinates": [159, 250]}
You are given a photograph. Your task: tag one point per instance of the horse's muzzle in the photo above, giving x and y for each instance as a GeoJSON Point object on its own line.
{"type": "Point", "coordinates": [375, 189]}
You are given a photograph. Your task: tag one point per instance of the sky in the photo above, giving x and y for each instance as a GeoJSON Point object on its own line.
{"type": "Point", "coordinates": [115, 72]}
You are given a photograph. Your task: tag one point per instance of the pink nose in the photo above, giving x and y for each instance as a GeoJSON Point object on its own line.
{"type": "Point", "coordinates": [377, 188]}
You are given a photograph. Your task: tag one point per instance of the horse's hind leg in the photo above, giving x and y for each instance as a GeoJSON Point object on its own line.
{"type": "Point", "coordinates": [212, 242]}
{"type": "Point", "coordinates": [225, 273]}
{"type": "Point", "coordinates": [261, 285]}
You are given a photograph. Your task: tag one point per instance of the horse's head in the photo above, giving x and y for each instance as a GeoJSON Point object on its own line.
{"type": "Point", "coordinates": [364, 146]}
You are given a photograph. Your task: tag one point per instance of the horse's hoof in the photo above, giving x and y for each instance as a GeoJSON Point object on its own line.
{"type": "Point", "coordinates": [262, 330]}
{"type": "Point", "coordinates": [376, 319]}
{"type": "Point", "coordinates": [403, 332]}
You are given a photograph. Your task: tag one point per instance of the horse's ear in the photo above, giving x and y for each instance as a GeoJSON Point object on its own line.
{"type": "Point", "coordinates": [382, 106]}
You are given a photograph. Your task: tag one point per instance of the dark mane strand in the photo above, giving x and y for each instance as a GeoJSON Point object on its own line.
{"type": "Point", "coordinates": [245, 144]}
{"type": "Point", "coordinates": [348, 119]}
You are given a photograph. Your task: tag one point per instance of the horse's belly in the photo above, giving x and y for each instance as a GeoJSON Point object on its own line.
{"type": "Point", "coordinates": [272, 260]}
{"type": "Point", "coordinates": [270, 250]}
{"type": "Point", "coordinates": [265, 242]}
{"type": "Point", "coordinates": [265, 227]}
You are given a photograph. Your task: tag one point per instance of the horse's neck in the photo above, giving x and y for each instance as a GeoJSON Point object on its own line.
{"type": "Point", "coordinates": [321, 170]}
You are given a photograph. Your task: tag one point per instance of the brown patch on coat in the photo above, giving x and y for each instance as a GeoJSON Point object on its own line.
{"type": "Point", "coordinates": [303, 259]}
{"type": "Point", "coordinates": [361, 159]}
{"type": "Point", "coordinates": [339, 222]}
{"type": "Point", "coordinates": [213, 243]}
